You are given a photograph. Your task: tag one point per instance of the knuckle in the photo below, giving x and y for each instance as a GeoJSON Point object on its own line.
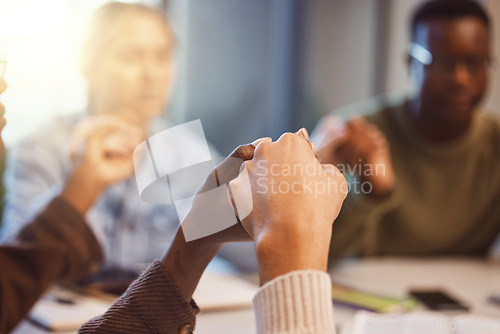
{"type": "Point", "coordinates": [288, 136]}
{"type": "Point", "coordinates": [262, 149]}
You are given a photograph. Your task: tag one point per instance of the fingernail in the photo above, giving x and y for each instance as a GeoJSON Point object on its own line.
{"type": "Point", "coordinates": [303, 132]}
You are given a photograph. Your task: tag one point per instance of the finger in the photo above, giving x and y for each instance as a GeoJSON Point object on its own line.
{"type": "Point", "coordinates": [112, 140]}
{"type": "Point", "coordinates": [3, 86]}
{"type": "Point", "coordinates": [328, 122]}
{"type": "Point", "coordinates": [2, 109]}
{"type": "Point", "coordinates": [229, 168]}
{"type": "Point", "coordinates": [290, 137]}
{"type": "Point", "coordinates": [129, 120]}
{"type": "Point", "coordinates": [124, 122]}
{"type": "Point", "coordinates": [116, 145]}
{"type": "Point", "coordinates": [133, 129]}
{"type": "Point", "coordinates": [356, 119]}
{"type": "Point", "coordinates": [303, 133]}
{"type": "Point", "coordinates": [327, 126]}
{"type": "Point", "coordinates": [339, 141]}
{"type": "Point", "coordinates": [327, 152]}
{"type": "Point", "coordinates": [332, 134]}
{"type": "Point", "coordinates": [355, 125]}
{"type": "Point", "coordinates": [313, 147]}
{"type": "Point", "coordinates": [245, 152]}
{"type": "Point", "coordinates": [331, 169]}
{"type": "Point", "coordinates": [256, 142]}
{"type": "Point", "coordinates": [132, 132]}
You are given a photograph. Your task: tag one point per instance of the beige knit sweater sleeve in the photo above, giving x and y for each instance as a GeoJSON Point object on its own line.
{"type": "Point", "coordinates": [299, 302]}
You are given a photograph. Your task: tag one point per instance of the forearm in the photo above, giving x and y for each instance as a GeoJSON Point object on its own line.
{"type": "Point", "coordinates": [82, 189]}
{"type": "Point", "coordinates": [57, 245]}
{"type": "Point", "coordinates": [293, 249]}
{"type": "Point", "coordinates": [160, 300]}
{"type": "Point", "coordinates": [186, 262]}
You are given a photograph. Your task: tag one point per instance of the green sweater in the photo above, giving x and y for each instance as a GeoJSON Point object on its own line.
{"type": "Point", "coordinates": [447, 195]}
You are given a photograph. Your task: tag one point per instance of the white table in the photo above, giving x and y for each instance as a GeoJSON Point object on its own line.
{"type": "Point", "coordinates": [469, 279]}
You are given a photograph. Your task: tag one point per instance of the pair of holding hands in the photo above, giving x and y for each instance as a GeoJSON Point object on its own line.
{"type": "Point", "coordinates": [291, 224]}
{"type": "Point", "coordinates": [292, 229]}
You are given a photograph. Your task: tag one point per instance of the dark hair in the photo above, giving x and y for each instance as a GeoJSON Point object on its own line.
{"type": "Point", "coordinates": [448, 9]}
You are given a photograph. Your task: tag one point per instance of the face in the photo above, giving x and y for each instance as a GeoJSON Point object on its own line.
{"type": "Point", "coordinates": [450, 88]}
{"type": "Point", "coordinates": [136, 69]}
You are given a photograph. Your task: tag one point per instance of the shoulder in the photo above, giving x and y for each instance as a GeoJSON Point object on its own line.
{"type": "Point", "coordinates": [48, 143]}
{"type": "Point", "coordinates": [54, 133]}
{"type": "Point", "coordinates": [489, 122]}
{"type": "Point", "coordinates": [488, 126]}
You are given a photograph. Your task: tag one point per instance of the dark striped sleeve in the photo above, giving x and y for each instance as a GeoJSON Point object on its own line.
{"type": "Point", "coordinates": [152, 304]}
{"type": "Point", "coordinates": [57, 245]}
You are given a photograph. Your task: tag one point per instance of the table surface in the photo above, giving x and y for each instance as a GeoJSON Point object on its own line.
{"type": "Point", "coordinates": [471, 280]}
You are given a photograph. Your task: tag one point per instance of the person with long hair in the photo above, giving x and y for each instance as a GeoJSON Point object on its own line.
{"type": "Point", "coordinates": [127, 61]}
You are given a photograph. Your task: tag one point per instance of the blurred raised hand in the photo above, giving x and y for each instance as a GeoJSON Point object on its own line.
{"type": "Point", "coordinates": [357, 146]}
{"type": "Point", "coordinates": [102, 154]}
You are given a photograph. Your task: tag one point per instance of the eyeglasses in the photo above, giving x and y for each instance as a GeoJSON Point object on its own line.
{"type": "Point", "coordinates": [447, 65]}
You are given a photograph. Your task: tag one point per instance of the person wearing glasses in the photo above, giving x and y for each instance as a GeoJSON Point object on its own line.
{"type": "Point", "coordinates": [424, 172]}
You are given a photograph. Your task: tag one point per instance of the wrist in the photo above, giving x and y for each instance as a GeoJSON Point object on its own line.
{"type": "Point", "coordinates": [280, 255]}
{"type": "Point", "coordinates": [82, 189]}
{"type": "Point", "coordinates": [380, 177]}
{"type": "Point", "coordinates": [379, 185]}
{"type": "Point", "coordinates": [380, 188]}
{"type": "Point", "coordinates": [186, 262]}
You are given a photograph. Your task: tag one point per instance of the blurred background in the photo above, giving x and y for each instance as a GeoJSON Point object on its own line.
{"type": "Point", "coordinates": [246, 68]}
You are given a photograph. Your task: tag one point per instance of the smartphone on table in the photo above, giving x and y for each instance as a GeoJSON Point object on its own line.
{"type": "Point", "coordinates": [439, 300]}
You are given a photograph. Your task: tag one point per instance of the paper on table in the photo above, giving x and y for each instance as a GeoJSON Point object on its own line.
{"type": "Point", "coordinates": [420, 323]}
{"type": "Point", "coordinates": [60, 316]}
{"type": "Point", "coordinates": [221, 291]}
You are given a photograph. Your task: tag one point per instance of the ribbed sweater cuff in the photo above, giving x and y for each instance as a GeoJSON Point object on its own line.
{"type": "Point", "coordinates": [299, 302]}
